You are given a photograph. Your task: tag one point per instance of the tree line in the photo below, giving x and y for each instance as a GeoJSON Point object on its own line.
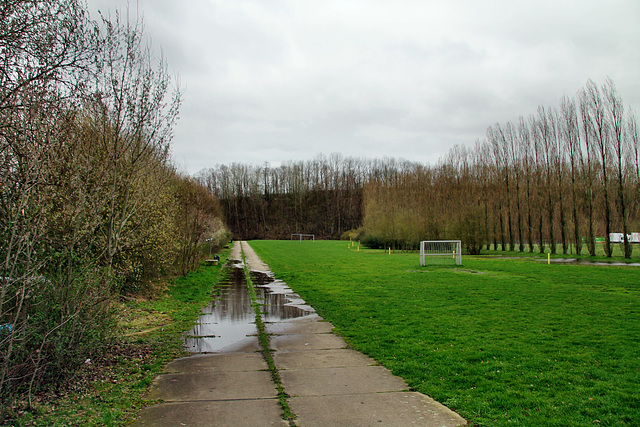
{"type": "Point", "coordinates": [91, 207]}
{"type": "Point", "coordinates": [321, 196]}
{"type": "Point", "coordinates": [564, 176]}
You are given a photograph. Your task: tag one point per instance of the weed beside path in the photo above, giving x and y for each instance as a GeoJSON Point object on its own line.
{"type": "Point", "coordinates": [500, 341]}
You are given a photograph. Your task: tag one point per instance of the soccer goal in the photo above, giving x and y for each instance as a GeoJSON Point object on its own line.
{"type": "Point", "coordinates": [440, 252]}
{"type": "Point", "coordinates": [303, 236]}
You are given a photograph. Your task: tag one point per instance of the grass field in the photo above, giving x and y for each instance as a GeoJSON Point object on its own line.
{"type": "Point", "coordinates": [501, 341]}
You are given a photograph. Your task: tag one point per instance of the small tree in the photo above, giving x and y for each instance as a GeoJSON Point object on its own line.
{"type": "Point", "coordinates": [470, 227]}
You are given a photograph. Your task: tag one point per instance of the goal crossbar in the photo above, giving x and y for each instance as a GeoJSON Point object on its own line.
{"type": "Point", "coordinates": [451, 249]}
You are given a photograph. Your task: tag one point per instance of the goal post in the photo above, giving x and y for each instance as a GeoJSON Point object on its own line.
{"type": "Point", "coordinates": [311, 237]}
{"type": "Point", "coordinates": [440, 251]}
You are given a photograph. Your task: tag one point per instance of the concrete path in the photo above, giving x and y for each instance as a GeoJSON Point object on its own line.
{"type": "Point", "coordinates": [328, 383]}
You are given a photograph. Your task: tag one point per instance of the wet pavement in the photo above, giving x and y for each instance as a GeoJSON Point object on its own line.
{"type": "Point", "coordinates": [227, 381]}
{"type": "Point", "coordinates": [228, 322]}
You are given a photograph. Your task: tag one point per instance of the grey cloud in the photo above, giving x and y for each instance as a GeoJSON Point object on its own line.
{"type": "Point", "coordinates": [288, 79]}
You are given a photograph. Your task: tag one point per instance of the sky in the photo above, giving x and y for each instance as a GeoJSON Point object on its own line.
{"type": "Point", "coordinates": [279, 80]}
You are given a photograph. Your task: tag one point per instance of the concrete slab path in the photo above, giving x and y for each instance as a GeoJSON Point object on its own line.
{"type": "Point", "coordinates": [328, 383]}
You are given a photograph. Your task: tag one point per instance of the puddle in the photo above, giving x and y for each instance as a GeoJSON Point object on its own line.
{"type": "Point", "coordinates": [509, 257]}
{"type": "Point", "coordinates": [280, 302]}
{"type": "Point", "coordinates": [228, 323]}
{"type": "Point", "coordinates": [583, 261]}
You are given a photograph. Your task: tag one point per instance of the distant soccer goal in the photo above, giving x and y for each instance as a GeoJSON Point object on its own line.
{"type": "Point", "coordinates": [440, 252]}
{"type": "Point", "coordinates": [304, 237]}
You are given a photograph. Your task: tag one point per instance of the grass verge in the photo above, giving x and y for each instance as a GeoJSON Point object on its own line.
{"type": "Point", "coordinates": [501, 341]}
{"type": "Point", "coordinates": [263, 338]}
{"type": "Point", "coordinates": [111, 390]}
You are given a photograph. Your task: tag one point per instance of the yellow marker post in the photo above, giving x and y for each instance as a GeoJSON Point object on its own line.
{"type": "Point", "coordinates": [358, 248]}
{"type": "Point", "coordinates": [389, 251]}
{"type": "Point", "coordinates": [549, 259]}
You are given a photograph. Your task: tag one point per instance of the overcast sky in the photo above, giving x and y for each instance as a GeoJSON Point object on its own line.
{"type": "Point", "coordinates": [277, 80]}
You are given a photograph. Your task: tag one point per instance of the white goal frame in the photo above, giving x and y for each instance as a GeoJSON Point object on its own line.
{"type": "Point", "coordinates": [451, 249]}
{"type": "Point", "coordinates": [313, 236]}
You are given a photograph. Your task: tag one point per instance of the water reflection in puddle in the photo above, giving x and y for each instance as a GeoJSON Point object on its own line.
{"type": "Point", "coordinates": [589, 262]}
{"type": "Point", "coordinates": [280, 302]}
{"type": "Point", "coordinates": [228, 323]}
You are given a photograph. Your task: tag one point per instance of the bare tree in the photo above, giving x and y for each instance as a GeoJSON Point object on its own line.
{"type": "Point", "coordinates": [542, 172]}
{"type": "Point", "coordinates": [42, 45]}
{"type": "Point", "coordinates": [135, 122]}
{"type": "Point", "coordinates": [524, 138]}
{"type": "Point", "coordinates": [633, 136]}
{"type": "Point", "coordinates": [571, 138]}
{"type": "Point", "coordinates": [587, 160]}
{"type": "Point", "coordinates": [514, 150]}
{"type": "Point", "coordinates": [558, 162]}
{"type": "Point", "coordinates": [599, 128]}
{"type": "Point", "coordinates": [615, 118]}
{"type": "Point", "coordinates": [499, 151]}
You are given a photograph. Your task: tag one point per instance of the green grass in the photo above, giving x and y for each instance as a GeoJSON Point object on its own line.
{"type": "Point", "coordinates": [150, 337]}
{"type": "Point", "coordinates": [501, 341]}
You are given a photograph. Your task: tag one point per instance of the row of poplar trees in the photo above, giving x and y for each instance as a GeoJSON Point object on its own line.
{"type": "Point", "coordinates": [563, 178]}
{"type": "Point", "coordinates": [91, 208]}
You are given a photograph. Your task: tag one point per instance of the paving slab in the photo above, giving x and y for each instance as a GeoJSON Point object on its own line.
{"type": "Point", "coordinates": [264, 412]}
{"type": "Point", "coordinates": [306, 342]}
{"type": "Point", "coordinates": [317, 359]}
{"type": "Point", "coordinates": [334, 381]}
{"type": "Point", "coordinates": [399, 409]}
{"type": "Point", "coordinates": [215, 345]}
{"type": "Point", "coordinates": [216, 385]}
{"type": "Point", "coordinates": [229, 362]}
{"type": "Point", "coordinates": [312, 324]}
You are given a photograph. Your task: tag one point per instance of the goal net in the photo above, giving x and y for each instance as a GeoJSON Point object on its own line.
{"type": "Point", "coordinates": [440, 252]}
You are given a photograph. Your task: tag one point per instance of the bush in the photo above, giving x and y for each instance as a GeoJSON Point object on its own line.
{"type": "Point", "coordinates": [91, 208]}
{"type": "Point", "coordinates": [470, 229]}
{"type": "Point", "coordinates": [354, 234]}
